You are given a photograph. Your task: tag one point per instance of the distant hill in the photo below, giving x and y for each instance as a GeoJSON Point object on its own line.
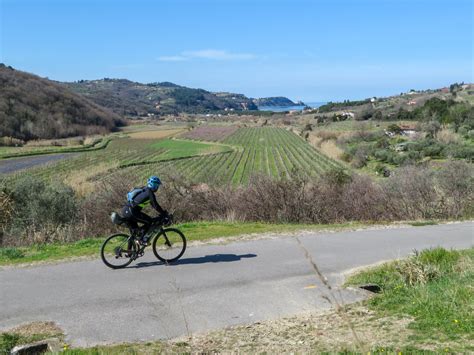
{"type": "Point", "coordinates": [399, 106]}
{"type": "Point", "coordinates": [276, 101]}
{"type": "Point", "coordinates": [35, 108]}
{"type": "Point", "coordinates": [132, 99]}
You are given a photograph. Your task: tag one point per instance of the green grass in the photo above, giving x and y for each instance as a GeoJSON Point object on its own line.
{"type": "Point", "coordinates": [435, 287]}
{"type": "Point", "coordinates": [9, 340]}
{"type": "Point", "coordinates": [423, 223]}
{"type": "Point", "coordinates": [198, 231]}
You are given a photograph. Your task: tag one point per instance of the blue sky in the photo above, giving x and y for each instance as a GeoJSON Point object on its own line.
{"type": "Point", "coordinates": [309, 50]}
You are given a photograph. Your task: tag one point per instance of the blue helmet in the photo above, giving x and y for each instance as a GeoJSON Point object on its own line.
{"type": "Point", "coordinates": [153, 182]}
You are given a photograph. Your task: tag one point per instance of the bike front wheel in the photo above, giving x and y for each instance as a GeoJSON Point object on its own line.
{"type": "Point", "coordinates": [169, 245]}
{"type": "Point", "coordinates": [118, 251]}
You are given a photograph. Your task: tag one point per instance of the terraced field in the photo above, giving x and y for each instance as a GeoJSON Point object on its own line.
{"type": "Point", "coordinates": [125, 152]}
{"type": "Point", "coordinates": [231, 158]}
{"type": "Point", "coordinates": [266, 150]}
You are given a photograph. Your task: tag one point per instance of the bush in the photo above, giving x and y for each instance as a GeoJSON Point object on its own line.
{"type": "Point", "coordinates": [11, 142]}
{"type": "Point", "coordinates": [412, 194]}
{"type": "Point", "coordinates": [38, 207]}
{"type": "Point", "coordinates": [385, 155]}
{"type": "Point", "coordinates": [461, 152]}
{"type": "Point", "coordinates": [456, 188]}
{"type": "Point", "coordinates": [339, 196]}
{"type": "Point", "coordinates": [394, 128]}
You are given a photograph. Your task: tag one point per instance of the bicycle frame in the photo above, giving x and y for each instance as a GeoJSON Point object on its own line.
{"type": "Point", "coordinates": [155, 230]}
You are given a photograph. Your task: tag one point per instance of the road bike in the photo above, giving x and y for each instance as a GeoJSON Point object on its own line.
{"type": "Point", "coordinates": [120, 249]}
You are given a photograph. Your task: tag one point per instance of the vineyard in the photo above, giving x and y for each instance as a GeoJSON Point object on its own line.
{"type": "Point", "coordinates": [229, 156]}
{"type": "Point", "coordinates": [273, 152]}
{"type": "Point", "coordinates": [125, 152]}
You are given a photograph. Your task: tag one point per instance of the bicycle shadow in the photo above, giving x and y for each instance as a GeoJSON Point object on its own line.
{"type": "Point", "coordinates": [216, 258]}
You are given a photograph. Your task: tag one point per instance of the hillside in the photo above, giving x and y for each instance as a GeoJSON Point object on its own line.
{"type": "Point", "coordinates": [35, 108]}
{"type": "Point", "coordinates": [133, 99]}
{"type": "Point", "coordinates": [398, 106]}
{"type": "Point", "coordinates": [275, 101]}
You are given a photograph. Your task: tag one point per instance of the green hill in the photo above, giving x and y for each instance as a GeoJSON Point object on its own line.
{"type": "Point", "coordinates": [132, 99]}
{"type": "Point", "coordinates": [275, 101]}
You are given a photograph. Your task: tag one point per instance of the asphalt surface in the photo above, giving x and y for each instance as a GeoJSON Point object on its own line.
{"type": "Point", "coordinates": [211, 287]}
{"type": "Point", "coordinates": [12, 165]}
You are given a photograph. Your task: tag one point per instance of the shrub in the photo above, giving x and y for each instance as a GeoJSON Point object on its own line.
{"type": "Point", "coordinates": [447, 136]}
{"type": "Point", "coordinates": [461, 152]}
{"type": "Point", "coordinates": [410, 193]}
{"type": "Point", "coordinates": [394, 128]}
{"type": "Point", "coordinates": [384, 155]}
{"type": "Point", "coordinates": [39, 207]}
{"type": "Point", "coordinates": [346, 156]}
{"type": "Point", "coordinates": [433, 150]}
{"type": "Point", "coordinates": [11, 142]}
{"type": "Point", "coordinates": [456, 188]}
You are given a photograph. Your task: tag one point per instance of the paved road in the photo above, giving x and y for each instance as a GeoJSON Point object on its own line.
{"type": "Point", "coordinates": [15, 164]}
{"type": "Point", "coordinates": [211, 287]}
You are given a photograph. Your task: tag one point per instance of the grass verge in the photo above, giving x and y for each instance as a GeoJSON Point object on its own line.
{"type": "Point", "coordinates": [435, 288]}
{"type": "Point", "coordinates": [29, 333]}
{"type": "Point", "coordinates": [197, 231]}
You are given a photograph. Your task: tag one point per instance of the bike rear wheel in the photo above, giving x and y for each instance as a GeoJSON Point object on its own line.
{"type": "Point", "coordinates": [118, 251]}
{"type": "Point", "coordinates": [169, 245]}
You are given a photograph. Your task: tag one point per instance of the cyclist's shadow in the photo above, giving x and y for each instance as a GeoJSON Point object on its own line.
{"type": "Point", "coordinates": [216, 258]}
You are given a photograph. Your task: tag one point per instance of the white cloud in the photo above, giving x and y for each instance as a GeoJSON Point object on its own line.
{"type": "Point", "coordinates": [211, 54]}
{"type": "Point", "coordinates": [172, 58]}
{"type": "Point", "coordinates": [215, 54]}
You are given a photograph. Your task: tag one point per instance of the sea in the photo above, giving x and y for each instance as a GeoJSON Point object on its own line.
{"type": "Point", "coordinates": [290, 108]}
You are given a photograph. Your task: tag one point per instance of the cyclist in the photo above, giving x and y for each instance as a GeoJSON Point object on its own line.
{"type": "Point", "coordinates": [136, 200]}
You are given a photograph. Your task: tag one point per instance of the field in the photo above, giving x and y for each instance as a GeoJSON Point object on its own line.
{"type": "Point", "coordinates": [230, 155]}
{"type": "Point", "coordinates": [210, 133]}
{"type": "Point", "coordinates": [273, 152]}
{"type": "Point", "coordinates": [55, 146]}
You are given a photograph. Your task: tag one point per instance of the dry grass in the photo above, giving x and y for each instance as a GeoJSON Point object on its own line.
{"type": "Point", "coordinates": [308, 332]}
{"type": "Point", "coordinates": [331, 149]}
{"type": "Point", "coordinates": [158, 134]}
{"type": "Point", "coordinates": [63, 142]}
{"type": "Point", "coordinates": [34, 328]}
{"type": "Point", "coordinates": [315, 140]}
{"type": "Point", "coordinates": [446, 136]}
{"type": "Point", "coordinates": [83, 182]}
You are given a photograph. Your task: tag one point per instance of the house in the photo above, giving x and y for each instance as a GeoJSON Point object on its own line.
{"type": "Point", "coordinates": [445, 90]}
